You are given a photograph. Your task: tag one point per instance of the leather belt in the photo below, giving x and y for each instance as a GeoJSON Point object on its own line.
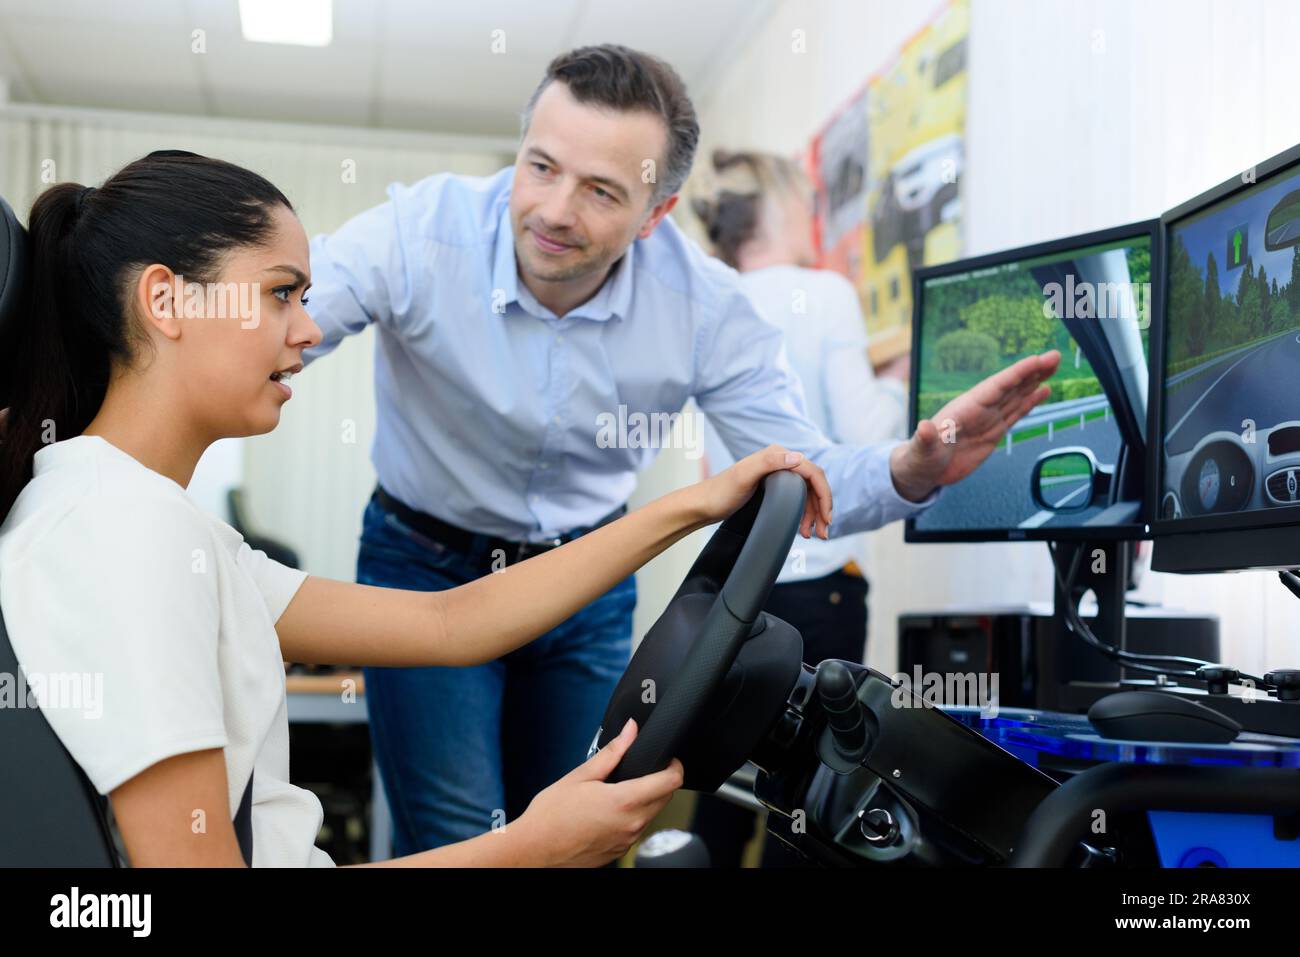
{"type": "Point", "coordinates": [464, 541]}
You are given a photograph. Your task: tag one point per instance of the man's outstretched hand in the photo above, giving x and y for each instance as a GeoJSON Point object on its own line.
{"type": "Point", "coordinates": [948, 447]}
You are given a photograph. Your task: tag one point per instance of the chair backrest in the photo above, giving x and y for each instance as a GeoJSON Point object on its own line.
{"type": "Point", "coordinates": [50, 813]}
{"type": "Point", "coordinates": [13, 263]}
{"type": "Point", "coordinates": [240, 522]}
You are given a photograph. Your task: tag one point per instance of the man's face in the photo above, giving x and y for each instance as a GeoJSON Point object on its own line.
{"type": "Point", "coordinates": [580, 197]}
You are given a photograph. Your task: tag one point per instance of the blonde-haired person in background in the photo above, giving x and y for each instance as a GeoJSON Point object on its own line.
{"type": "Point", "coordinates": [758, 211]}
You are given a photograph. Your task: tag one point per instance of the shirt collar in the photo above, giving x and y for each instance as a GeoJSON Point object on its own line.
{"type": "Point", "coordinates": [78, 448]}
{"type": "Point", "coordinates": [613, 298]}
{"type": "Point", "coordinates": [505, 276]}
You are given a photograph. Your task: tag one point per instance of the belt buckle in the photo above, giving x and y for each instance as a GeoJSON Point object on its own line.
{"type": "Point", "coordinates": [528, 546]}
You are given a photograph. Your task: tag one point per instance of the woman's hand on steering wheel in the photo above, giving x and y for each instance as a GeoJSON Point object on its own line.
{"type": "Point", "coordinates": [580, 821]}
{"type": "Point", "coordinates": [724, 493]}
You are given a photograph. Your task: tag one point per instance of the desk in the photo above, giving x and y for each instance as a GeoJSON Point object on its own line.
{"type": "Point", "coordinates": [319, 699]}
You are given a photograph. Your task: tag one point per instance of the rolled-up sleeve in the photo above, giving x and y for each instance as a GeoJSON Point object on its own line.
{"type": "Point", "coordinates": [754, 399]}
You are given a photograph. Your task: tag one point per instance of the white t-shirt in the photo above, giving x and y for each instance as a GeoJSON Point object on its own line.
{"type": "Point", "coordinates": [826, 343]}
{"type": "Point", "coordinates": [150, 625]}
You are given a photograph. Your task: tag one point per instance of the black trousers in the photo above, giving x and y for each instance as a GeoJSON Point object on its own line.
{"type": "Point", "coordinates": [831, 614]}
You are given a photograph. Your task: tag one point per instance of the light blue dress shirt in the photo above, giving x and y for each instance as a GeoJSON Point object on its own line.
{"type": "Point", "coordinates": [490, 408]}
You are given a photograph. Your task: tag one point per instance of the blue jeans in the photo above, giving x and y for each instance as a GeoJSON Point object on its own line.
{"type": "Point", "coordinates": [462, 749]}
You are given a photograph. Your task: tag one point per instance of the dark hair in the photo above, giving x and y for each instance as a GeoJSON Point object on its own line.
{"type": "Point", "coordinates": [732, 206]}
{"type": "Point", "coordinates": [628, 80]}
{"type": "Point", "coordinates": [171, 207]}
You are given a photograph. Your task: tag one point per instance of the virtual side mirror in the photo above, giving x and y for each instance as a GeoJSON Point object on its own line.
{"type": "Point", "coordinates": [1283, 227]}
{"type": "Point", "coordinates": [1068, 480]}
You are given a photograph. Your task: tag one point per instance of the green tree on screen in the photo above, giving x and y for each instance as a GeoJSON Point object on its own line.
{"type": "Point", "coordinates": [1250, 308]}
{"type": "Point", "coordinates": [1188, 327]}
{"type": "Point", "coordinates": [1213, 308]}
{"type": "Point", "coordinates": [1139, 264]}
{"type": "Point", "coordinates": [1018, 324]}
{"type": "Point", "coordinates": [965, 350]}
{"type": "Point", "coordinates": [1293, 290]}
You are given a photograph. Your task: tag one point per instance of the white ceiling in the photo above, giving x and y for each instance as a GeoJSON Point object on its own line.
{"type": "Point", "coordinates": [400, 64]}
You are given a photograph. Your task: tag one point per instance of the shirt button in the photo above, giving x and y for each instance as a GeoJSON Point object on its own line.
{"type": "Point", "coordinates": [557, 420]}
{"type": "Point", "coordinates": [543, 466]}
{"type": "Point", "coordinates": [559, 340]}
{"type": "Point", "coordinates": [534, 499]}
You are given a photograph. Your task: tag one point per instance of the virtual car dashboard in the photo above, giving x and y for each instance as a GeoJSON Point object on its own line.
{"type": "Point", "coordinates": [1225, 473]}
{"type": "Point", "coordinates": [1231, 426]}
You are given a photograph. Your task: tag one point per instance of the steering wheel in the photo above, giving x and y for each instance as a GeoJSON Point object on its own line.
{"type": "Point", "coordinates": [714, 672]}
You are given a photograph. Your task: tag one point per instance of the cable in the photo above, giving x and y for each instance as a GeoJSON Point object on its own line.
{"type": "Point", "coordinates": [1075, 623]}
{"type": "Point", "coordinates": [1130, 659]}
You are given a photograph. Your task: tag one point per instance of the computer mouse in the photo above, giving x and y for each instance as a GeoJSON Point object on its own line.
{"type": "Point", "coordinates": [1156, 716]}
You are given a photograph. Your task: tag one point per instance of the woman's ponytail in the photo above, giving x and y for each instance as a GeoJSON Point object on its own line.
{"type": "Point", "coordinates": [59, 364]}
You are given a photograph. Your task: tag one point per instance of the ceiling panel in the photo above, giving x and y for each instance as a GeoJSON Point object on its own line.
{"type": "Point", "coordinates": [413, 64]}
{"type": "Point", "coordinates": [687, 32]}
{"type": "Point", "coordinates": [121, 65]}
{"type": "Point", "coordinates": [497, 85]}
{"type": "Point", "coordinates": [139, 12]}
{"type": "Point", "coordinates": [530, 28]}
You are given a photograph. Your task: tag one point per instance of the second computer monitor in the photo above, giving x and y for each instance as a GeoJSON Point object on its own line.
{"type": "Point", "coordinates": [1074, 467]}
{"type": "Point", "coordinates": [1226, 464]}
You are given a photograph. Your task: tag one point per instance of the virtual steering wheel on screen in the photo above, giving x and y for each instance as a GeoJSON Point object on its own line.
{"type": "Point", "coordinates": [714, 672]}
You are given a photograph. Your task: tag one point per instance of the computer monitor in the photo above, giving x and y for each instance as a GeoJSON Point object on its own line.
{"type": "Point", "coordinates": [1074, 468]}
{"type": "Point", "coordinates": [1225, 465]}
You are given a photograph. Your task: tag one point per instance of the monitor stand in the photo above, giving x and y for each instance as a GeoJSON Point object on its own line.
{"type": "Point", "coordinates": [1105, 569]}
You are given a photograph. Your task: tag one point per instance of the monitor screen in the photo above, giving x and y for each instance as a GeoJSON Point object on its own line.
{"type": "Point", "coordinates": [1074, 466]}
{"type": "Point", "coordinates": [1230, 420]}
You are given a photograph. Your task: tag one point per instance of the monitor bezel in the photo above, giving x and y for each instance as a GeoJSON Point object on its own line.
{"type": "Point", "coordinates": [1133, 531]}
{"type": "Point", "coordinates": [1229, 522]}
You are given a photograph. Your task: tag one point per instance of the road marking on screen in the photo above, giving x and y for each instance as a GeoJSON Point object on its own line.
{"type": "Point", "coordinates": [1177, 425]}
{"type": "Point", "coordinates": [1037, 521]}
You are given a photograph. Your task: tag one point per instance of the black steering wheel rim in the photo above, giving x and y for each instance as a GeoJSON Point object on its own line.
{"type": "Point", "coordinates": [738, 566]}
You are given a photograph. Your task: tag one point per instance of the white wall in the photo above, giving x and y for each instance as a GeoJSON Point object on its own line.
{"type": "Point", "coordinates": [1081, 115]}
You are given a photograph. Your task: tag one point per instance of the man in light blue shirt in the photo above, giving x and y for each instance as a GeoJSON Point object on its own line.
{"type": "Point", "coordinates": [516, 317]}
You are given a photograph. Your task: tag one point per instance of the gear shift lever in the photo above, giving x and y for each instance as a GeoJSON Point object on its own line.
{"type": "Point", "coordinates": [845, 715]}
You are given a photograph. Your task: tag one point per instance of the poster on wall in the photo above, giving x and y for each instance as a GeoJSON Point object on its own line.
{"type": "Point", "coordinates": [887, 168]}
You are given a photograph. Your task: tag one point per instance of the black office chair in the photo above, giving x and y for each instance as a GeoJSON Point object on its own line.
{"type": "Point", "coordinates": [242, 523]}
{"type": "Point", "coordinates": [50, 813]}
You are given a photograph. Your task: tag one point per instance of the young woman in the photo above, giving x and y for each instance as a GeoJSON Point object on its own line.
{"type": "Point", "coordinates": [167, 313]}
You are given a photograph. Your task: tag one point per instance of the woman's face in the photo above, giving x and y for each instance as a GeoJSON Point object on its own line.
{"type": "Point", "coordinates": [231, 339]}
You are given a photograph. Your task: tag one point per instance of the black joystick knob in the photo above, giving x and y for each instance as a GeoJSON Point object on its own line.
{"type": "Point", "coordinates": [1287, 683]}
{"type": "Point", "coordinates": [838, 693]}
{"type": "Point", "coordinates": [1217, 677]}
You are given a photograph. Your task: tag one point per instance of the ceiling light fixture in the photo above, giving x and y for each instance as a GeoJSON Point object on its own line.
{"type": "Point", "coordinates": [308, 23]}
